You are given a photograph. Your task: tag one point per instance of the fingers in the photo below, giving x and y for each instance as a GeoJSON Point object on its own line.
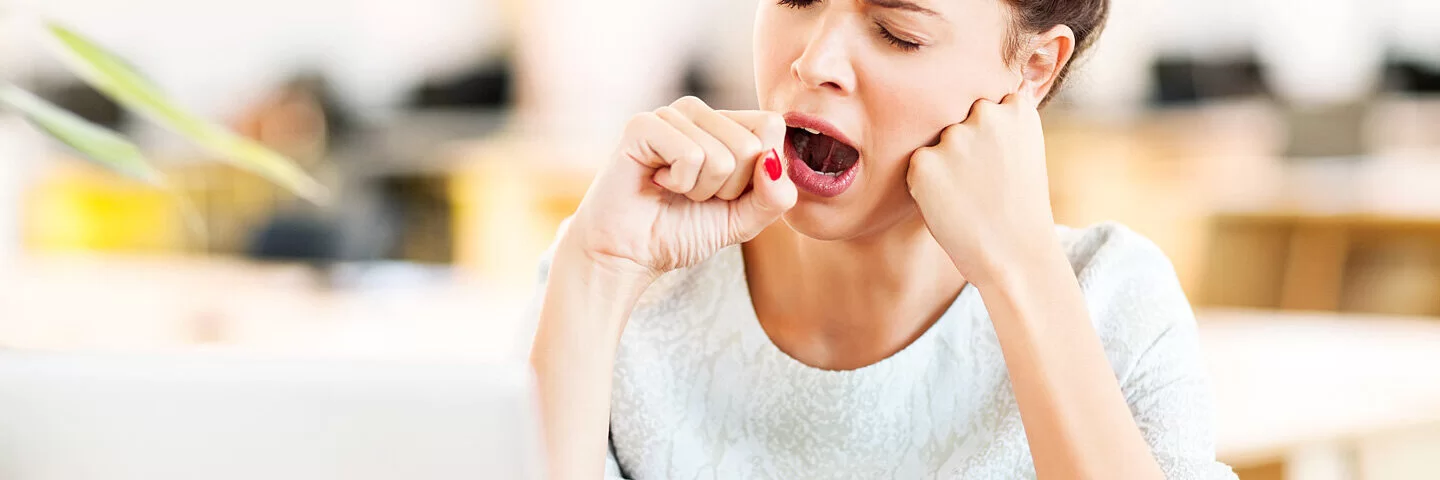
{"type": "Point", "coordinates": [1022, 100]}
{"type": "Point", "coordinates": [773, 195]}
{"type": "Point", "coordinates": [662, 146]}
{"type": "Point", "coordinates": [978, 110]}
{"type": "Point", "coordinates": [983, 107]}
{"type": "Point", "coordinates": [730, 145]}
{"type": "Point", "coordinates": [711, 174]}
{"type": "Point", "coordinates": [768, 126]}
{"type": "Point", "coordinates": [743, 145]}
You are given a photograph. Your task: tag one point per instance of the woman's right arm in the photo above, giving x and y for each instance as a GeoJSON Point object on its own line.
{"type": "Point", "coordinates": [580, 324]}
{"type": "Point", "coordinates": [685, 182]}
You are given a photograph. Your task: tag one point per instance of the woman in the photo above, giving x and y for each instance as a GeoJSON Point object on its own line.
{"type": "Point", "coordinates": [864, 279]}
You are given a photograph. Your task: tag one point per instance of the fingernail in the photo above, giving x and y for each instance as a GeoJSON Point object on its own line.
{"type": "Point", "coordinates": [772, 165]}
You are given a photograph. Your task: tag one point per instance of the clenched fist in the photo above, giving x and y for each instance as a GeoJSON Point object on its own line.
{"type": "Point", "coordinates": [686, 181]}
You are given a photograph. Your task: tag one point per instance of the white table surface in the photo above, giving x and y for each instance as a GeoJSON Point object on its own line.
{"type": "Point", "coordinates": [1288, 381]}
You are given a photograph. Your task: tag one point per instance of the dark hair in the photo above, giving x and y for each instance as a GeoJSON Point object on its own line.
{"type": "Point", "coordinates": [1028, 17]}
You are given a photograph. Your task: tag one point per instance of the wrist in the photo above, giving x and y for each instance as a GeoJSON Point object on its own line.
{"type": "Point", "coordinates": [1015, 263]}
{"type": "Point", "coordinates": [573, 257]}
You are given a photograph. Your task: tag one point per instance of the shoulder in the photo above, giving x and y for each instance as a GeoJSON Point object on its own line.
{"type": "Point", "coordinates": [1110, 247]}
{"type": "Point", "coordinates": [1110, 260]}
{"type": "Point", "coordinates": [1130, 287]}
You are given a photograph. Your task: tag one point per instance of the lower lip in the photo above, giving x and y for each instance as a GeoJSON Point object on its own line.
{"type": "Point", "coordinates": [814, 182]}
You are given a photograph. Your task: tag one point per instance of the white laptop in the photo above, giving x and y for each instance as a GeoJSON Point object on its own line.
{"type": "Point", "coordinates": [113, 417]}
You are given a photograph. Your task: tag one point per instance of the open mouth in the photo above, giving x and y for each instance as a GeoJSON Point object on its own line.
{"type": "Point", "coordinates": [822, 153]}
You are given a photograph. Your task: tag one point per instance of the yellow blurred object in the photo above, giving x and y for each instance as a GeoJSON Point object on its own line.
{"type": "Point", "coordinates": [75, 208]}
{"type": "Point", "coordinates": [510, 200]}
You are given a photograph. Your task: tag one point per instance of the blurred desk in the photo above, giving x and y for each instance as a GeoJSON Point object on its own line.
{"type": "Point", "coordinates": [1332, 235]}
{"type": "Point", "coordinates": [1327, 394]}
{"type": "Point", "coordinates": [386, 310]}
{"type": "Point", "coordinates": [1316, 391]}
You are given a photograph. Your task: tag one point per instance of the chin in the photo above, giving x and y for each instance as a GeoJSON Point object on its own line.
{"type": "Point", "coordinates": [826, 220]}
{"type": "Point", "coordinates": [819, 220]}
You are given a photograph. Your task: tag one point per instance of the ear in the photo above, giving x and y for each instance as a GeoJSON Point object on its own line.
{"type": "Point", "coordinates": [1045, 57]}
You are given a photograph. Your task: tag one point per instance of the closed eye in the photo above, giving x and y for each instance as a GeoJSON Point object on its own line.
{"type": "Point", "coordinates": [898, 42]}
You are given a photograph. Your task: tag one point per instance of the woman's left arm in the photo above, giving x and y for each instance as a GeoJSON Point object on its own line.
{"type": "Point", "coordinates": [1076, 418]}
{"type": "Point", "coordinates": [984, 195]}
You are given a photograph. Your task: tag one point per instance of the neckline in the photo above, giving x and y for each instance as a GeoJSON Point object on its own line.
{"type": "Point", "coordinates": [750, 327]}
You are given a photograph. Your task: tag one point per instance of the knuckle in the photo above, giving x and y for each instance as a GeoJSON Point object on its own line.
{"type": "Point", "coordinates": [692, 156]}
{"type": "Point", "coordinates": [953, 132]}
{"type": "Point", "coordinates": [669, 111]}
{"type": "Point", "coordinates": [689, 102]}
{"type": "Point", "coordinates": [721, 166]}
{"type": "Point", "coordinates": [924, 158]}
{"type": "Point", "coordinates": [774, 123]}
{"type": "Point", "coordinates": [750, 148]}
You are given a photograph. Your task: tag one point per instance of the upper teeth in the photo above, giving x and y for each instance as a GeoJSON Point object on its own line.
{"type": "Point", "coordinates": [812, 131]}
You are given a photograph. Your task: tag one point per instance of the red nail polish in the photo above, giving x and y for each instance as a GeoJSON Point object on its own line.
{"type": "Point", "coordinates": [772, 165]}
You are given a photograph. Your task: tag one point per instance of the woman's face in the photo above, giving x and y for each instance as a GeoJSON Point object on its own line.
{"type": "Point", "coordinates": [883, 77]}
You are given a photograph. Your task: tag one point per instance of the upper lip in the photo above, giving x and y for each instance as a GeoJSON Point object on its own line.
{"type": "Point", "coordinates": [803, 120]}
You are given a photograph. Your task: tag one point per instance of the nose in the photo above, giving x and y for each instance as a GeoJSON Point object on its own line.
{"type": "Point", "coordinates": [826, 64]}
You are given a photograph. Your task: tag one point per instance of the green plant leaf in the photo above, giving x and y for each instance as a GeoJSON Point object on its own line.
{"type": "Point", "coordinates": [110, 75]}
{"type": "Point", "coordinates": [95, 143]}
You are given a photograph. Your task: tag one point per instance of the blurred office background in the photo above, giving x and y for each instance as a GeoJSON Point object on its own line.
{"type": "Point", "coordinates": [1284, 153]}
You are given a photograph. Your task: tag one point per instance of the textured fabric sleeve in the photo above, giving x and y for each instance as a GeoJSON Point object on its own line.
{"type": "Point", "coordinates": [1155, 350]}
{"type": "Point", "coordinates": [531, 322]}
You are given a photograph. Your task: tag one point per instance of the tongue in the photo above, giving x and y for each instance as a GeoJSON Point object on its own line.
{"type": "Point", "coordinates": [822, 153]}
{"type": "Point", "coordinates": [828, 155]}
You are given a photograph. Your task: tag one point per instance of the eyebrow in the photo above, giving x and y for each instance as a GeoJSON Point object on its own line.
{"type": "Point", "coordinates": [903, 5]}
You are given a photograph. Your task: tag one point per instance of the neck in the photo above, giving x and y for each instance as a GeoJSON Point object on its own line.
{"type": "Point", "coordinates": [842, 305]}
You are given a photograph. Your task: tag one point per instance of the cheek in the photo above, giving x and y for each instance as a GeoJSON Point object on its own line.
{"type": "Point", "coordinates": [770, 53]}
{"type": "Point", "coordinates": [914, 106]}
{"type": "Point", "coordinates": [909, 113]}
{"type": "Point", "coordinates": [917, 103]}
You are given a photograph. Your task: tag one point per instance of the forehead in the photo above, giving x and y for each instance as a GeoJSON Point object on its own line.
{"type": "Point", "coordinates": [953, 10]}
{"type": "Point", "coordinates": [917, 6]}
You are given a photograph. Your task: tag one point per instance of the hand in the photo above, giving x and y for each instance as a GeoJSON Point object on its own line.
{"type": "Point", "coordinates": [686, 181]}
{"type": "Point", "coordinates": [983, 190]}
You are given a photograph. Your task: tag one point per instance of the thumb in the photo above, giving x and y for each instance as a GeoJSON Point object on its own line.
{"type": "Point", "coordinates": [771, 195]}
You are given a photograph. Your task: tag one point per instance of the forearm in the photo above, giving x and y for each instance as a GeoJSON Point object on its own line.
{"type": "Point", "coordinates": [1075, 416]}
{"type": "Point", "coordinates": [585, 309]}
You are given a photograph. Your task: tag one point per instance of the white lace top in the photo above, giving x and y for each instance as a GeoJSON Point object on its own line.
{"type": "Point", "coordinates": [700, 392]}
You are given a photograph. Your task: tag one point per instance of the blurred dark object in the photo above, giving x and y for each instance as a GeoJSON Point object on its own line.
{"type": "Point", "coordinates": [382, 165]}
{"type": "Point", "coordinates": [1326, 130]}
{"type": "Point", "coordinates": [295, 236]}
{"type": "Point", "coordinates": [1411, 77]}
{"type": "Point", "coordinates": [419, 209]}
{"type": "Point", "coordinates": [696, 82]}
{"type": "Point", "coordinates": [339, 119]}
{"type": "Point", "coordinates": [86, 102]}
{"type": "Point", "coordinates": [485, 86]}
{"type": "Point", "coordinates": [1185, 81]}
